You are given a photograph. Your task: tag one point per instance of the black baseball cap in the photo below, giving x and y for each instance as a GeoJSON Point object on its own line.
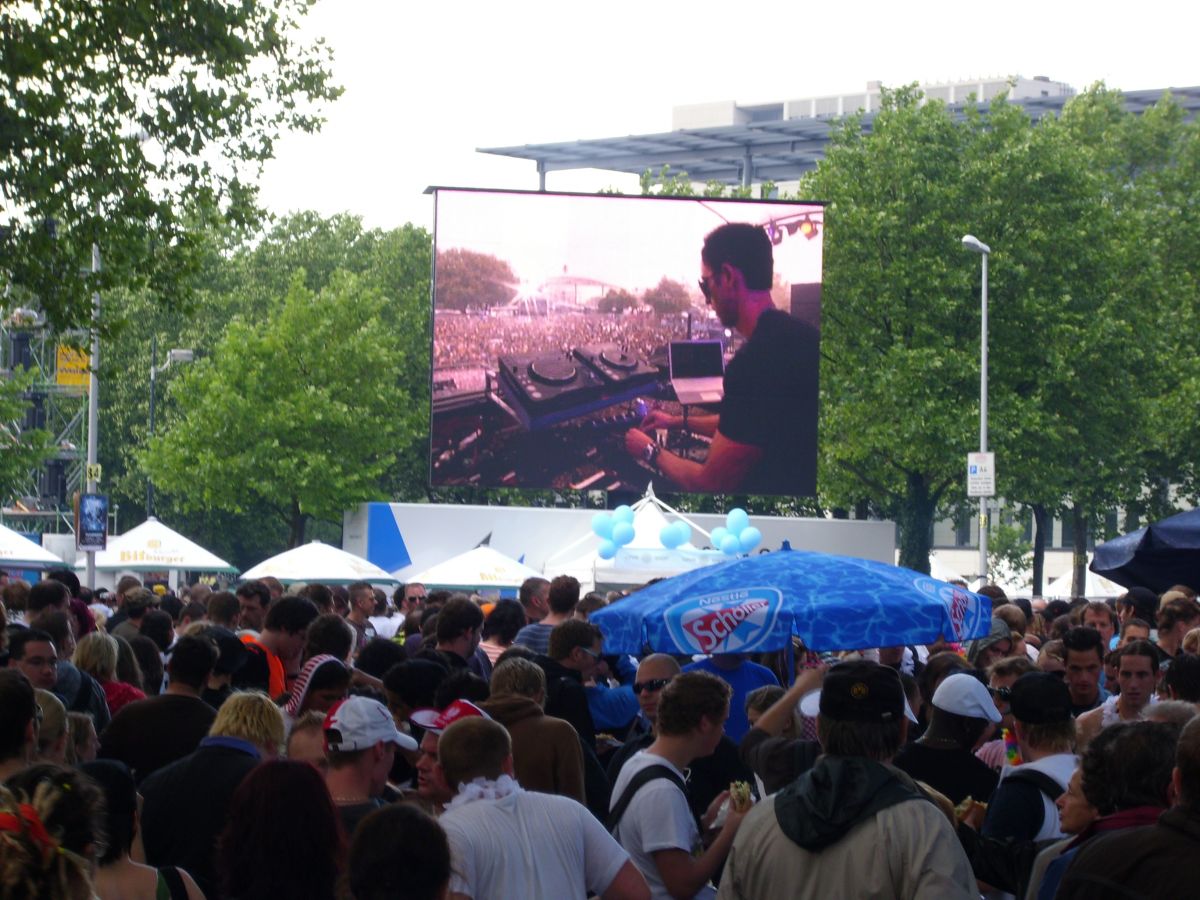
{"type": "Point", "coordinates": [1040, 698]}
{"type": "Point", "coordinates": [863, 691]}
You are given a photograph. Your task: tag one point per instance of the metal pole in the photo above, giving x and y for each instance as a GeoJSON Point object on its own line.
{"type": "Point", "coordinates": [93, 437]}
{"type": "Point", "coordinates": [153, 379]}
{"type": "Point", "coordinates": [983, 419]}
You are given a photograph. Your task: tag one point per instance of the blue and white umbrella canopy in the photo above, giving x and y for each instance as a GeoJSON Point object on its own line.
{"type": "Point", "coordinates": [757, 603]}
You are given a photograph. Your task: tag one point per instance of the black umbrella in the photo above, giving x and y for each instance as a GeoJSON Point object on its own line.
{"type": "Point", "coordinates": [1156, 557]}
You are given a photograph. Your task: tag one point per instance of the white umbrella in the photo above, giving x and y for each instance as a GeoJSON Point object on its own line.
{"type": "Point", "coordinates": [153, 547]}
{"type": "Point", "coordinates": [319, 562]}
{"type": "Point", "coordinates": [1094, 586]}
{"type": "Point", "coordinates": [482, 567]}
{"type": "Point", "coordinates": [19, 552]}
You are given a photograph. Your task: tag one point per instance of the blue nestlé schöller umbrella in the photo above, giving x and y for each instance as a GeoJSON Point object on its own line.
{"type": "Point", "coordinates": [756, 603]}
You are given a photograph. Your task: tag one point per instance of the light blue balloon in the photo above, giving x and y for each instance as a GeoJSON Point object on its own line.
{"type": "Point", "coordinates": [668, 537]}
{"type": "Point", "coordinates": [730, 545]}
{"type": "Point", "coordinates": [607, 550]}
{"type": "Point", "coordinates": [737, 520]}
{"type": "Point", "coordinates": [684, 532]}
{"type": "Point", "coordinates": [718, 535]}
{"type": "Point", "coordinates": [622, 534]}
{"type": "Point", "coordinates": [602, 525]}
{"type": "Point", "coordinates": [749, 538]}
{"type": "Point", "coordinates": [623, 513]}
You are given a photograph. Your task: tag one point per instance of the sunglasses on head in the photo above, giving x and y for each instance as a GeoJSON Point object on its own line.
{"type": "Point", "coordinates": [654, 684]}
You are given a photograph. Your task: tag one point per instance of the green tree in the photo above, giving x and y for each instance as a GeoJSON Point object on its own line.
{"type": "Point", "coordinates": [667, 297]}
{"type": "Point", "coordinates": [121, 120]}
{"type": "Point", "coordinates": [302, 413]}
{"type": "Point", "coordinates": [20, 451]}
{"type": "Point", "coordinates": [469, 280]}
{"type": "Point", "coordinates": [618, 300]}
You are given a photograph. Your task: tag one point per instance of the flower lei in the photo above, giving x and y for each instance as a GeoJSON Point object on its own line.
{"type": "Point", "coordinates": [485, 789]}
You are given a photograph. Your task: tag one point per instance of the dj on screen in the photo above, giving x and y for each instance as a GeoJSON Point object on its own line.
{"type": "Point", "coordinates": [764, 439]}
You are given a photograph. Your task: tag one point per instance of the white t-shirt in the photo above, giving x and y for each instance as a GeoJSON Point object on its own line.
{"type": "Point", "coordinates": [529, 845]}
{"type": "Point", "coordinates": [387, 626]}
{"type": "Point", "coordinates": [658, 818]}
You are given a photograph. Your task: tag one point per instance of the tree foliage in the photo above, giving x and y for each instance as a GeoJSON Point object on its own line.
{"type": "Point", "coordinates": [469, 280]}
{"type": "Point", "coordinates": [123, 121]}
{"type": "Point", "coordinates": [617, 300]}
{"type": "Point", "coordinates": [668, 296]}
{"type": "Point", "coordinates": [20, 450]}
{"type": "Point", "coordinates": [301, 413]}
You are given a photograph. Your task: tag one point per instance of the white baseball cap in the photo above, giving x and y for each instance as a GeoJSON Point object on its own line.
{"type": "Point", "coordinates": [357, 723]}
{"type": "Point", "coordinates": [965, 695]}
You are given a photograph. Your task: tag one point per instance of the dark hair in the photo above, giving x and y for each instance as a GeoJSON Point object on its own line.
{"type": "Point", "coordinates": [530, 587]}
{"type": "Point", "coordinates": [128, 669]}
{"type": "Point", "coordinates": [46, 593]}
{"type": "Point", "coordinates": [745, 247]}
{"type": "Point", "coordinates": [874, 740]}
{"type": "Point", "coordinates": [320, 595]}
{"type": "Point", "coordinates": [333, 673]}
{"type": "Point", "coordinates": [223, 608]}
{"type": "Point", "coordinates": [438, 598]}
{"type": "Point", "coordinates": [504, 621]}
{"type": "Point", "coordinates": [359, 588]}
{"type": "Point", "coordinates": [1142, 648]}
{"type": "Point", "coordinates": [194, 611]}
{"type": "Point", "coordinates": [157, 625]}
{"type": "Point", "coordinates": [1129, 764]}
{"type": "Point", "coordinates": [328, 634]}
{"type": "Point", "coordinates": [1101, 607]}
{"type": "Point", "coordinates": [965, 730]}
{"type": "Point", "coordinates": [120, 805]}
{"type": "Point", "coordinates": [67, 577]}
{"type": "Point", "coordinates": [192, 661]}
{"type": "Point", "coordinates": [1187, 759]}
{"type": "Point", "coordinates": [461, 684]}
{"type": "Point", "coordinates": [283, 836]}
{"type": "Point", "coordinates": [415, 682]}
{"type": "Point", "coordinates": [77, 818]}
{"type": "Point", "coordinates": [457, 616]}
{"type": "Point", "coordinates": [150, 661]}
{"type": "Point", "coordinates": [1135, 623]}
{"type": "Point", "coordinates": [255, 589]}
{"type": "Point", "coordinates": [564, 594]}
{"type": "Point", "coordinates": [570, 634]}
{"type": "Point", "coordinates": [55, 623]}
{"type": "Point", "coordinates": [290, 614]}
{"type": "Point", "coordinates": [1183, 677]}
{"type": "Point", "coordinates": [398, 853]}
{"type": "Point", "coordinates": [763, 698]}
{"type": "Point", "coordinates": [688, 698]}
{"type": "Point", "coordinates": [993, 592]}
{"type": "Point", "coordinates": [514, 652]}
{"type": "Point", "coordinates": [18, 640]}
{"type": "Point", "coordinates": [1083, 639]}
{"type": "Point", "coordinates": [1056, 608]}
{"type": "Point", "coordinates": [138, 600]}
{"type": "Point", "coordinates": [378, 655]}
{"type": "Point", "coordinates": [1143, 600]}
{"type": "Point", "coordinates": [18, 706]}
{"type": "Point", "coordinates": [937, 667]}
{"type": "Point", "coordinates": [126, 583]}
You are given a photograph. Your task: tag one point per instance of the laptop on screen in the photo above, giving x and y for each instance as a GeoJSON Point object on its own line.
{"type": "Point", "coordinates": [697, 371]}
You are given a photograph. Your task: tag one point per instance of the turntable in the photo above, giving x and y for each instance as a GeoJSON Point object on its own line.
{"type": "Point", "coordinates": [616, 365]}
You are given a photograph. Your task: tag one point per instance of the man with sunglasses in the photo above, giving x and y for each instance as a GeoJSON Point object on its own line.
{"type": "Point", "coordinates": [764, 438]}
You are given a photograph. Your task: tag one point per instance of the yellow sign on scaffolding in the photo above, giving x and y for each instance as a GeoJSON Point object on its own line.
{"type": "Point", "coordinates": [71, 367]}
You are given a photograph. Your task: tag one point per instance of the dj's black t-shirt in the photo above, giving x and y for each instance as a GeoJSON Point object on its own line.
{"type": "Point", "coordinates": [771, 402]}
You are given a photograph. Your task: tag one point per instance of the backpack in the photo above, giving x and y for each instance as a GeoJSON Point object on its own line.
{"type": "Point", "coordinates": [1040, 780]}
{"type": "Point", "coordinates": [640, 780]}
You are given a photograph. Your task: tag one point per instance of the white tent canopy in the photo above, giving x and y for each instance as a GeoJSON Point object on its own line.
{"type": "Point", "coordinates": [1095, 586]}
{"type": "Point", "coordinates": [19, 552]}
{"type": "Point", "coordinates": [481, 568]}
{"type": "Point", "coordinates": [322, 563]}
{"type": "Point", "coordinates": [153, 547]}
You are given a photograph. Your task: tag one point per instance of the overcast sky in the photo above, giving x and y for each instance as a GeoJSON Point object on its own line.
{"type": "Point", "coordinates": [427, 84]}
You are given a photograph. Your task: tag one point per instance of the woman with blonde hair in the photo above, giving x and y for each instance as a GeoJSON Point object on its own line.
{"type": "Point", "coordinates": [54, 737]}
{"type": "Point", "coordinates": [97, 655]}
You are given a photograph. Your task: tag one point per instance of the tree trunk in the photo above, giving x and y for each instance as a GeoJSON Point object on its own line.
{"type": "Point", "coordinates": [296, 524]}
{"type": "Point", "coordinates": [1079, 557]}
{"type": "Point", "coordinates": [1133, 517]}
{"type": "Point", "coordinates": [1042, 523]}
{"type": "Point", "coordinates": [915, 520]}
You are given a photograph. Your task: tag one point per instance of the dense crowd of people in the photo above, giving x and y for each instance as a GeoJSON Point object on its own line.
{"type": "Point", "coordinates": [334, 742]}
{"type": "Point", "coordinates": [464, 341]}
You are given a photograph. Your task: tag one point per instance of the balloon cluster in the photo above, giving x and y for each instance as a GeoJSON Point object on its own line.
{"type": "Point", "coordinates": [675, 534]}
{"type": "Point", "coordinates": [737, 535]}
{"type": "Point", "coordinates": [614, 529]}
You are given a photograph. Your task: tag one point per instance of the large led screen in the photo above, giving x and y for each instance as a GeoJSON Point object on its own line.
{"type": "Point", "coordinates": [558, 319]}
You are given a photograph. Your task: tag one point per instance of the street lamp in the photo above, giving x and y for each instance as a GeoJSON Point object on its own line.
{"type": "Point", "coordinates": [176, 355]}
{"type": "Point", "coordinates": [972, 243]}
